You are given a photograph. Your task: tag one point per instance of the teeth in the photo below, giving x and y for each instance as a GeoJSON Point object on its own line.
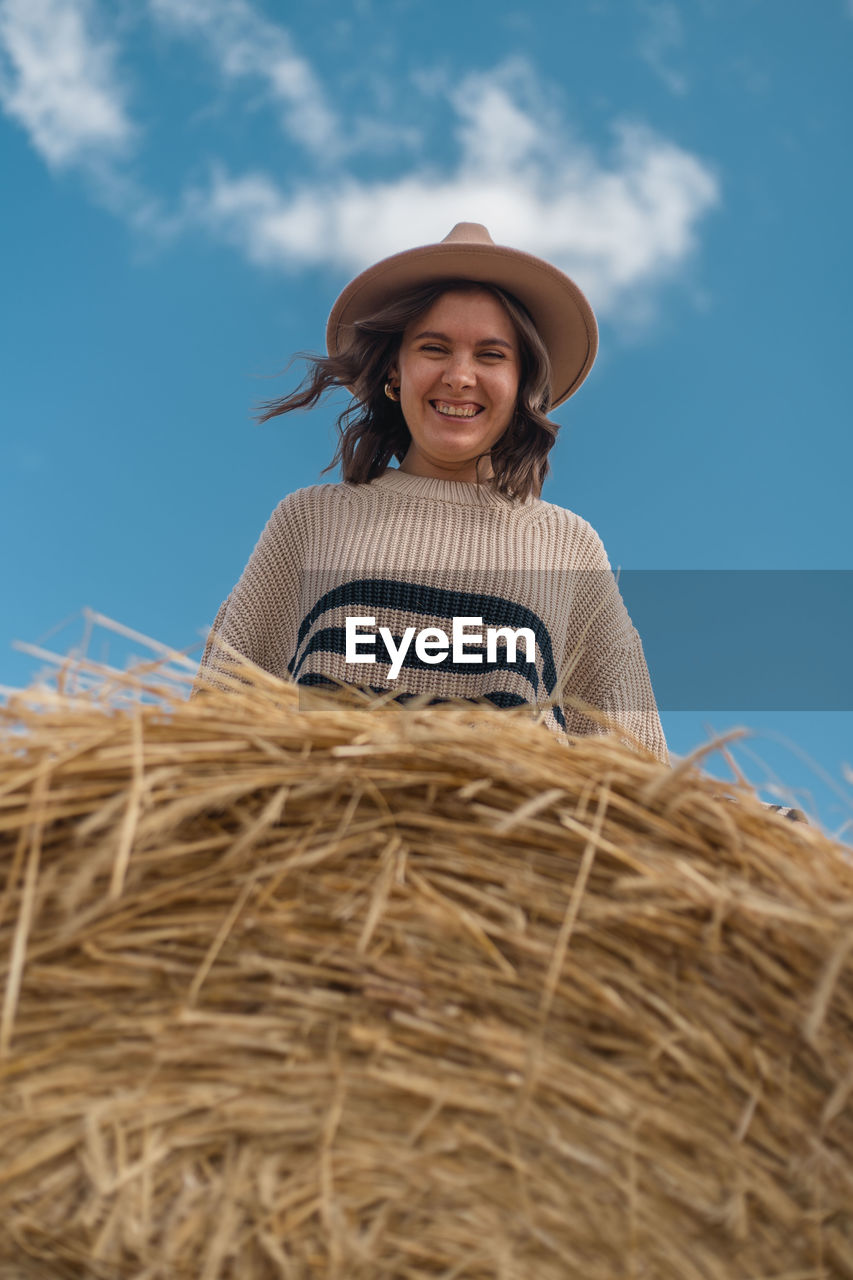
{"type": "Point", "coordinates": [453, 411]}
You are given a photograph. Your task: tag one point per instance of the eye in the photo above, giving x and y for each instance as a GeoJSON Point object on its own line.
{"type": "Point", "coordinates": [431, 346]}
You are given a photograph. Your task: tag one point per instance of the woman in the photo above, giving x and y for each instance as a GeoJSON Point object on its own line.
{"type": "Point", "coordinates": [446, 575]}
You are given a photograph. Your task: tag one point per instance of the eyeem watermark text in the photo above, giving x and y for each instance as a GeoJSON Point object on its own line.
{"type": "Point", "coordinates": [433, 645]}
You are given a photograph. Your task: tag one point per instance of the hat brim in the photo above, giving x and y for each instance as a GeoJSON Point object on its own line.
{"type": "Point", "coordinates": [562, 316]}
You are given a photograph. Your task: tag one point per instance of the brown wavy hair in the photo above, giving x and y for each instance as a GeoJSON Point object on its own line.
{"type": "Point", "coordinates": [373, 430]}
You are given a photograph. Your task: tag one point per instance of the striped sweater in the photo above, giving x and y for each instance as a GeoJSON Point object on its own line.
{"type": "Point", "coordinates": [444, 588]}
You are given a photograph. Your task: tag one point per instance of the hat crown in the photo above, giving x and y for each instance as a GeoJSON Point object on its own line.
{"type": "Point", "coordinates": [468, 233]}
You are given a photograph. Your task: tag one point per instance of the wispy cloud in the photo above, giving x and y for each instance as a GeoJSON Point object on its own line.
{"type": "Point", "coordinates": [618, 225]}
{"type": "Point", "coordinates": [244, 44]}
{"type": "Point", "coordinates": [621, 221]}
{"type": "Point", "coordinates": [663, 37]}
{"type": "Point", "coordinates": [58, 79]}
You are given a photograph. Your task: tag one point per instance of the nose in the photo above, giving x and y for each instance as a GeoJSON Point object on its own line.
{"type": "Point", "coordinates": [459, 372]}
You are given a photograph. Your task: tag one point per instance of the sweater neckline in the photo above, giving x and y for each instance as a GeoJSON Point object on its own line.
{"type": "Point", "coordinates": [458, 492]}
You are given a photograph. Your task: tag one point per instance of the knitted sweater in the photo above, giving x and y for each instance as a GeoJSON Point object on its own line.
{"type": "Point", "coordinates": [442, 588]}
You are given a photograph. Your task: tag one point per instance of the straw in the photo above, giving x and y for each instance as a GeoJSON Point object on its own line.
{"type": "Point", "coordinates": [383, 991]}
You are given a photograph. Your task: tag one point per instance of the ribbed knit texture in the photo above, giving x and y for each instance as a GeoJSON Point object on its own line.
{"type": "Point", "coordinates": [411, 551]}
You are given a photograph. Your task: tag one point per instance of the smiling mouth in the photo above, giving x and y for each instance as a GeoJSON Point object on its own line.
{"type": "Point", "coordinates": [448, 410]}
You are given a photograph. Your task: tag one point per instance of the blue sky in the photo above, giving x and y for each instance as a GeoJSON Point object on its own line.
{"type": "Point", "coordinates": [187, 184]}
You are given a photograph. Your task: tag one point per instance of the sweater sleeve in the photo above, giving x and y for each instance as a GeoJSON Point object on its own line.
{"type": "Point", "coordinates": [604, 666]}
{"type": "Point", "coordinates": [259, 617]}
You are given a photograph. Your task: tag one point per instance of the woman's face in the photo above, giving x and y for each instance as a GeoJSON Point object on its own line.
{"type": "Point", "coordinates": [458, 370]}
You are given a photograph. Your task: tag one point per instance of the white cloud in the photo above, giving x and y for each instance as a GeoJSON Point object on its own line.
{"type": "Point", "coordinates": [244, 44]}
{"type": "Point", "coordinates": [58, 79]}
{"type": "Point", "coordinates": [618, 227]}
{"type": "Point", "coordinates": [663, 36]}
{"type": "Point", "coordinates": [619, 223]}
{"type": "Point", "coordinates": [496, 133]}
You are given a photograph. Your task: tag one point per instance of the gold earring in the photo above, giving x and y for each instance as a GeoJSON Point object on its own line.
{"type": "Point", "coordinates": [391, 392]}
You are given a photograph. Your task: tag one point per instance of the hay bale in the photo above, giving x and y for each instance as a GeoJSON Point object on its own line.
{"type": "Point", "coordinates": [378, 993]}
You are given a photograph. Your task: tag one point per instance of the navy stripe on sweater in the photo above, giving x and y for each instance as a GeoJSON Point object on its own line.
{"type": "Point", "coordinates": [498, 697]}
{"type": "Point", "coordinates": [366, 596]}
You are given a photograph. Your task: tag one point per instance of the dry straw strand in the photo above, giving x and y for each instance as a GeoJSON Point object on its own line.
{"type": "Point", "coordinates": [31, 832]}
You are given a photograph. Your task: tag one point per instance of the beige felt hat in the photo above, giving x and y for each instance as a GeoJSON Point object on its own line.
{"type": "Point", "coordinates": [562, 315]}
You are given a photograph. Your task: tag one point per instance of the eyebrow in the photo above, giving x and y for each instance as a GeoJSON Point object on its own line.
{"type": "Point", "coordinates": [483, 342]}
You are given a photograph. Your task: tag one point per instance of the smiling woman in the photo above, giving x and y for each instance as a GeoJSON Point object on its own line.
{"type": "Point", "coordinates": [454, 354]}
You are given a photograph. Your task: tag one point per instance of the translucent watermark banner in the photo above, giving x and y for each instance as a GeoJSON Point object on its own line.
{"type": "Point", "coordinates": [714, 640]}
{"type": "Point", "coordinates": [745, 639]}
